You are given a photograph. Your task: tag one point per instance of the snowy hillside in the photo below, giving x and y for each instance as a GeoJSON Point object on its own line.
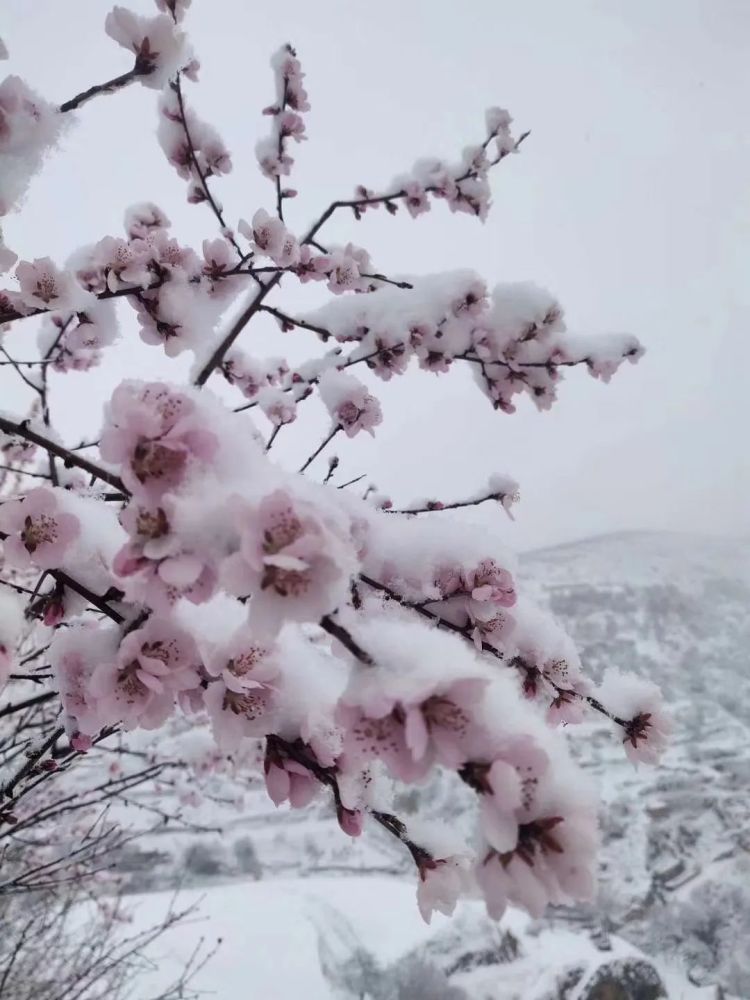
{"type": "Point", "coordinates": [675, 872]}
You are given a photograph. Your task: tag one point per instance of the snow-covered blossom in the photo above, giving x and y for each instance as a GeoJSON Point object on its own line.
{"type": "Point", "coordinates": [29, 128]}
{"type": "Point", "coordinates": [349, 403]}
{"type": "Point", "coordinates": [241, 701]}
{"type": "Point", "coordinates": [292, 559]}
{"type": "Point", "coordinates": [158, 45]}
{"type": "Point", "coordinates": [412, 719]}
{"type": "Point", "coordinates": [154, 565]}
{"type": "Point", "coordinates": [270, 237]}
{"type": "Point", "coordinates": [553, 860]}
{"type": "Point", "coordinates": [441, 883]}
{"type": "Point", "coordinates": [153, 664]}
{"type": "Point", "coordinates": [154, 434]}
{"type": "Point", "coordinates": [193, 147]}
{"type": "Point", "coordinates": [45, 286]}
{"type": "Point", "coordinates": [75, 653]}
{"type": "Point", "coordinates": [289, 781]}
{"type": "Point", "coordinates": [272, 151]}
{"type": "Point", "coordinates": [278, 406]}
{"type": "Point", "coordinates": [144, 217]}
{"type": "Point", "coordinates": [639, 703]}
{"type": "Point", "coordinates": [38, 530]}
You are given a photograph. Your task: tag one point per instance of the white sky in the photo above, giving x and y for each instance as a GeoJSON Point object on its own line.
{"type": "Point", "coordinates": [630, 201]}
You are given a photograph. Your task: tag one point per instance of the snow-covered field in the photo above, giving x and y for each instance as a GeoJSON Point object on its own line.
{"type": "Point", "coordinates": [277, 935]}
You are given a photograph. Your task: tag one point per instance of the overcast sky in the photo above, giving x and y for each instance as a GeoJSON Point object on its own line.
{"type": "Point", "coordinates": [630, 202]}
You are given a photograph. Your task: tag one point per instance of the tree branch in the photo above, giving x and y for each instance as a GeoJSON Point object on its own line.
{"type": "Point", "coordinates": [104, 88]}
{"type": "Point", "coordinates": [21, 429]}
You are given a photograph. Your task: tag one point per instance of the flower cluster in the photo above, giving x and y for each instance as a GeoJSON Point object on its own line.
{"type": "Point", "coordinates": [291, 102]}
{"type": "Point", "coordinates": [193, 147]}
{"type": "Point", "coordinates": [464, 186]}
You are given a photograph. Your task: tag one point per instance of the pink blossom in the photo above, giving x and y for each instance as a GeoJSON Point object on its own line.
{"type": "Point", "coordinates": [416, 201]}
{"type": "Point", "coordinates": [44, 286]}
{"type": "Point", "coordinates": [391, 356]}
{"type": "Point", "coordinates": [507, 787]}
{"type": "Point", "coordinates": [289, 76]}
{"type": "Point", "coordinates": [144, 217]}
{"type": "Point", "coordinates": [251, 376]}
{"type": "Point", "coordinates": [441, 882]}
{"type": "Point", "coordinates": [81, 743]}
{"type": "Point", "coordinates": [349, 403]}
{"type": "Point", "coordinates": [159, 48]}
{"type": "Point", "coordinates": [489, 583]}
{"type": "Point", "coordinates": [409, 736]}
{"type": "Point", "coordinates": [311, 266]}
{"type": "Point", "coordinates": [293, 563]}
{"type": "Point", "coordinates": [38, 531]}
{"type": "Point", "coordinates": [270, 236]}
{"type": "Point", "coordinates": [278, 406]}
{"type": "Point", "coordinates": [241, 702]}
{"type": "Point", "coordinates": [647, 726]}
{"type": "Point", "coordinates": [162, 570]}
{"type": "Point", "coordinates": [219, 257]}
{"type": "Point", "coordinates": [286, 780]}
{"type": "Point", "coordinates": [75, 653]}
{"type": "Point", "coordinates": [291, 125]}
{"type": "Point", "coordinates": [153, 664]}
{"type": "Point", "coordinates": [121, 263]}
{"type": "Point", "coordinates": [351, 821]}
{"type": "Point", "coordinates": [152, 433]}
{"type": "Point", "coordinates": [345, 267]}
{"type": "Point", "coordinates": [528, 875]}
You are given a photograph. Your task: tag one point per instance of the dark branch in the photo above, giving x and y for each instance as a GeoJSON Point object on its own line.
{"type": "Point", "coordinates": [21, 429]}
{"type": "Point", "coordinates": [104, 88]}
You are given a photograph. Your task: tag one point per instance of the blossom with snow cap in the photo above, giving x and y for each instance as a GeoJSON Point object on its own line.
{"type": "Point", "coordinates": [349, 403]}
{"type": "Point", "coordinates": [294, 563]}
{"type": "Point", "coordinates": [159, 47]}
{"type": "Point", "coordinates": [409, 732]}
{"type": "Point", "coordinates": [241, 700]}
{"type": "Point", "coordinates": [154, 434]}
{"type": "Point", "coordinates": [638, 702]}
{"type": "Point", "coordinates": [441, 882]}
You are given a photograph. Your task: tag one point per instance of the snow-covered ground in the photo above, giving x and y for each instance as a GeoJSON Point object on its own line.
{"type": "Point", "coordinates": [277, 935]}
